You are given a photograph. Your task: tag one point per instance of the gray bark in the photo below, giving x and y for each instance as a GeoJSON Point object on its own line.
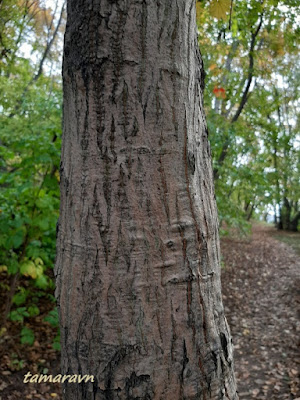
{"type": "Point", "coordinates": [138, 276]}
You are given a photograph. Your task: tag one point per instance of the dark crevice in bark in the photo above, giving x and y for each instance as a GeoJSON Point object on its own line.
{"type": "Point", "coordinates": [113, 364]}
{"type": "Point", "coordinates": [185, 361]}
{"type": "Point", "coordinates": [165, 189]}
{"type": "Point", "coordinates": [185, 159]}
{"type": "Point", "coordinates": [224, 345]}
{"type": "Point", "coordinates": [143, 33]}
{"type": "Point", "coordinates": [140, 382]}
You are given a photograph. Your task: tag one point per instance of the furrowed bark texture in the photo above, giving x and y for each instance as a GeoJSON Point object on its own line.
{"type": "Point", "coordinates": [138, 280]}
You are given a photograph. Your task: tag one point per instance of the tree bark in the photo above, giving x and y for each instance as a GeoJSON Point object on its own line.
{"type": "Point", "coordinates": [138, 276]}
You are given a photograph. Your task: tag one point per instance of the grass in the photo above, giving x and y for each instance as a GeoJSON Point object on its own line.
{"type": "Point", "coordinates": [290, 238]}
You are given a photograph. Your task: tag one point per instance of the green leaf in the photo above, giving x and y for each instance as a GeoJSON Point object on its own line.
{"type": "Point", "coordinates": [17, 239]}
{"type": "Point", "coordinates": [234, 27]}
{"type": "Point", "coordinates": [33, 310]}
{"type": "Point", "coordinates": [15, 316]}
{"type": "Point", "coordinates": [19, 314]}
{"type": "Point", "coordinates": [43, 224]}
{"type": "Point", "coordinates": [42, 282]}
{"type": "Point", "coordinates": [34, 249]}
{"type": "Point", "coordinates": [27, 336]}
{"type": "Point", "coordinates": [13, 266]}
{"type": "Point", "coordinates": [52, 318]}
{"type": "Point", "coordinates": [20, 297]}
{"type": "Point", "coordinates": [56, 343]}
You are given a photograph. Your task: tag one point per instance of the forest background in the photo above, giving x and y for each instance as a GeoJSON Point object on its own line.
{"type": "Point", "coordinates": [250, 51]}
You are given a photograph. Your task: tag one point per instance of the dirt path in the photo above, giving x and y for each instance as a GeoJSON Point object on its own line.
{"type": "Point", "coordinates": [261, 283]}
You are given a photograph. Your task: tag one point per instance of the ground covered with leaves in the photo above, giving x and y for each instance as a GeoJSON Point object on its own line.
{"type": "Point", "coordinates": [261, 281]}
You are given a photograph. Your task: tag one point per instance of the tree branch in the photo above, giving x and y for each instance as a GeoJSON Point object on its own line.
{"type": "Point", "coordinates": [244, 97]}
{"type": "Point", "coordinates": [48, 47]}
{"type": "Point", "coordinates": [41, 64]}
{"type": "Point", "coordinates": [250, 72]}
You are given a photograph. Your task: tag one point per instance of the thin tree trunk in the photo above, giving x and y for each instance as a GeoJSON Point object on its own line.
{"type": "Point", "coordinates": [138, 264]}
{"type": "Point", "coordinates": [295, 222]}
{"type": "Point", "coordinates": [250, 212]}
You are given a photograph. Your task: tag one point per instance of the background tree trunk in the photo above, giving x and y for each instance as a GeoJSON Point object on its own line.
{"type": "Point", "coordinates": [138, 276]}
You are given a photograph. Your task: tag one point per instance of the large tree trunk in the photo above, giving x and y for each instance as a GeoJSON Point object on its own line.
{"type": "Point", "coordinates": [289, 216]}
{"type": "Point", "coordinates": [138, 277]}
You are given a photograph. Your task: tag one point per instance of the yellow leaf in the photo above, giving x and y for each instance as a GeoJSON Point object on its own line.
{"type": "Point", "coordinates": [39, 271]}
{"type": "Point", "coordinates": [199, 10]}
{"type": "Point", "coordinates": [3, 268]}
{"type": "Point", "coordinates": [28, 268]}
{"type": "Point", "coordinates": [57, 175]}
{"type": "Point", "coordinates": [212, 67]}
{"type": "Point", "coordinates": [2, 331]}
{"type": "Point", "coordinates": [39, 261]}
{"type": "Point", "coordinates": [220, 8]}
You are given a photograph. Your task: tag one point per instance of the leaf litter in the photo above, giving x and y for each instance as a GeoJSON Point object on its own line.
{"type": "Point", "coordinates": [261, 282]}
{"type": "Point", "coordinates": [261, 296]}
